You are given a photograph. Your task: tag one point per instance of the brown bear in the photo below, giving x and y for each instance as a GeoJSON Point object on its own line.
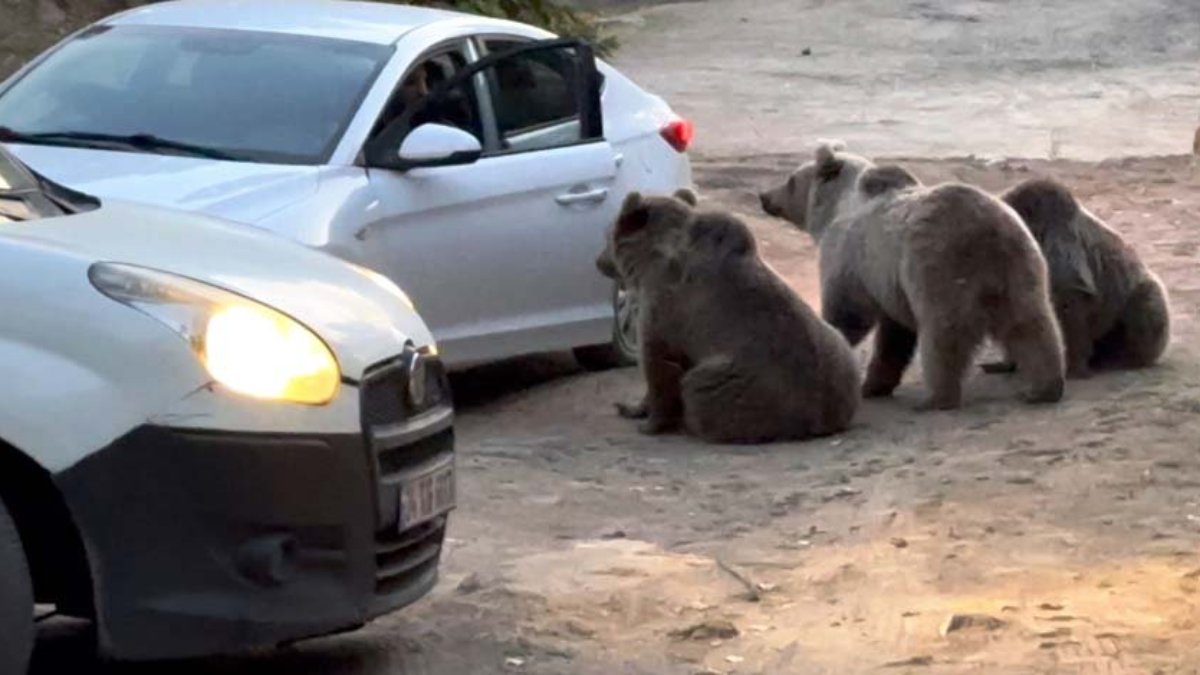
{"type": "Point", "coordinates": [729, 351]}
{"type": "Point", "coordinates": [1112, 310]}
{"type": "Point", "coordinates": [941, 267]}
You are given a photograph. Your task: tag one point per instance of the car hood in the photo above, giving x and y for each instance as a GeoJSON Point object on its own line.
{"type": "Point", "coordinates": [362, 321]}
{"type": "Point", "coordinates": [240, 191]}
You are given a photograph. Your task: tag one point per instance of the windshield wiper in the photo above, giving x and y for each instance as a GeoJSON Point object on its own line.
{"type": "Point", "coordinates": [139, 142]}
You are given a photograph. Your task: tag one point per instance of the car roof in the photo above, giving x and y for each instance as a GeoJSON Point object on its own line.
{"type": "Point", "coordinates": [375, 22]}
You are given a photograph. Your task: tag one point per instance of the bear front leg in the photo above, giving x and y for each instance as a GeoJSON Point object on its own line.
{"type": "Point", "coordinates": [846, 307]}
{"type": "Point", "coordinates": [1077, 337]}
{"type": "Point", "coordinates": [894, 347]}
{"type": "Point", "coordinates": [664, 400]}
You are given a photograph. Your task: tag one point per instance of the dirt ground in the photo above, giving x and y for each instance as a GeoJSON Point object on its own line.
{"type": "Point", "coordinates": [1080, 79]}
{"type": "Point", "coordinates": [1064, 538]}
{"type": "Point", "coordinates": [1068, 533]}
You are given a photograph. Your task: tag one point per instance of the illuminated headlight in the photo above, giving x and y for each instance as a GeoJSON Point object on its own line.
{"type": "Point", "coordinates": [246, 347]}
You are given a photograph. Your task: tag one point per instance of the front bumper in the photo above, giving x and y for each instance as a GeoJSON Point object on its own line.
{"type": "Point", "coordinates": [206, 542]}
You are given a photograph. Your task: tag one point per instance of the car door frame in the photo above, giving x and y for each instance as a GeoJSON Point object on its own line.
{"type": "Point", "coordinates": [409, 49]}
{"type": "Point", "coordinates": [591, 114]}
{"type": "Point", "coordinates": [475, 75]}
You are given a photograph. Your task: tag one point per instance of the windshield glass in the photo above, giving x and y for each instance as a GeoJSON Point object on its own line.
{"type": "Point", "coordinates": [255, 96]}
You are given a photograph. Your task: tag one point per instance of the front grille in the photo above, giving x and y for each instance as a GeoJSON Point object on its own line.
{"type": "Point", "coordinates": [404, 437]}
{"type": "Point", "coordinates": [403, 556]}
{"type": "Point", "coordinates": [385, 390]}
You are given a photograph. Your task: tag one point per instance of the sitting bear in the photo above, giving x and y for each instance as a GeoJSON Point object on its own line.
{"type": "Point", "coordinates": [728, 350]}
{"type": "Point", "coordinates": [1112, 310]}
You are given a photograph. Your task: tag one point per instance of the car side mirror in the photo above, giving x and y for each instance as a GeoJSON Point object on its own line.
{"type": "Point", "coordinates": [432, 145]}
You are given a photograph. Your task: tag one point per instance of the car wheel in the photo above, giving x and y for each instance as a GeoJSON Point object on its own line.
{"type": "Point", "coordinates": [16, 600]}
{"type": "Point", "coordinates": [623, 350]}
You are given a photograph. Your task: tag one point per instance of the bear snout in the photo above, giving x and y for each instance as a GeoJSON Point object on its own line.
{"type": "Point", "coordinates": [607, 267]}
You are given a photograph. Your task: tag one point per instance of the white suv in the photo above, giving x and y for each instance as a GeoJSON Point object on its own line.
{"type": "Point", "coordinates": [211, 440]}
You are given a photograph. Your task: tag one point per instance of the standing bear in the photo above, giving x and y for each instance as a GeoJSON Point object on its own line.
{"type": "Point", "coordinates": [941, 267]}
{"type": "Point", "coordinates": [728, 350]}
{"type": "Point", "coordinates": [1112, 310]}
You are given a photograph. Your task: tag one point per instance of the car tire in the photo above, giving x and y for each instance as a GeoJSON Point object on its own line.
{"type": "Point", "coordinates": [623, 350]}
{"type": "Point", "coordinates": [16, 600]}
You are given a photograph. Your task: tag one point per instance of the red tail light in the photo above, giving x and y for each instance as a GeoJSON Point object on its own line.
{"type": "Point", "coordinates": [679, 134]}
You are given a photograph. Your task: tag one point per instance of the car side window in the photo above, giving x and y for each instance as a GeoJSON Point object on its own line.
{"type": "Point", "coordinates": [535, 96]}
{"type": "Point", "coordinates": [456, 107]}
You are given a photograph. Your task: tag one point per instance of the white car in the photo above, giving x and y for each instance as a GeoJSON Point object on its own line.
{"type": "Point", "coordinates": [210, 440]}
{"type": "Point", "coordinates": [474, 162]}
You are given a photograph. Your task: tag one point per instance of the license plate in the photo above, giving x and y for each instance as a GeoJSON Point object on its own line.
{"type": "Point", "coordinates": [427, 495]}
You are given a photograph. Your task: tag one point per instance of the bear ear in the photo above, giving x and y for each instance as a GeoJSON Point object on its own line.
{"type": "Point", "coordinates": [632, 201]}
{"type": "Point", "coordinates": [834, 145]}
{"type": "Point", "coordinates": [687, 196]}
{"type": "Point", "coordinates": [880, 179]}
{"type": "Point", "coordinates": [828, 163]}
{"type": "Point", "coordinates": [634, 215]}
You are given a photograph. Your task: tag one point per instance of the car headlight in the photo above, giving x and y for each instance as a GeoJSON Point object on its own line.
{"type": "Point", "coordinates": [246, 346]}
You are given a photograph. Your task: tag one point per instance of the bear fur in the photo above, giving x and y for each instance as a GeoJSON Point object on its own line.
{"type": "Point", "coordinates": [939, 268]}
{"type": "Point", "coordinates": [1112, 310]}
{"type": "Point", "coordinates": [728, 350]}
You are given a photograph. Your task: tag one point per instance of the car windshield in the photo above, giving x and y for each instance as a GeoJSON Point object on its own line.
{"type": "Point", "coordinates": [226, 94]}
{"type": "Point", "coordinates": [25, 195]}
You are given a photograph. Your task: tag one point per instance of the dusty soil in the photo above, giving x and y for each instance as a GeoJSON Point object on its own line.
{"type": "Point", "coordinates": [1081, 79]}
{"type": "Point", "coordinates": [1067, 534]}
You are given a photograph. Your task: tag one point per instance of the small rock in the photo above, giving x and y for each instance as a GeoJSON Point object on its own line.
{"type": "Point", "coordinates": [899, 542]}
{"type": "Point", "coordinates": [807, 51]}
{"type": "Point", "coordinates": [733, 658]}
{"type": "Point", "coordinates": [1061, 618]}
{"type": "Point", "coordinates": [579, 630]}
{"type": "Point", "coordinates": [840, 493]}
{"type": "Point", "coordinates": [960, 622]}
{"type": "Point", "coordinates": [514, 662]}
{"type": "Point", "coordinates": [470, 585]}
{"type": "Point", "coordinates": [614, 534]}
{"type": "Point", "coordinates": [914, 661]}
{"type": "Point", "coordinates": [707, 630]}
{"type": "Point", "coordinates": [1050, 607]}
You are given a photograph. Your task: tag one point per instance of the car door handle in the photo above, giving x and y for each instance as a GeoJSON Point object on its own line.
{"type": "Point", "coordinates": [588, 197]}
